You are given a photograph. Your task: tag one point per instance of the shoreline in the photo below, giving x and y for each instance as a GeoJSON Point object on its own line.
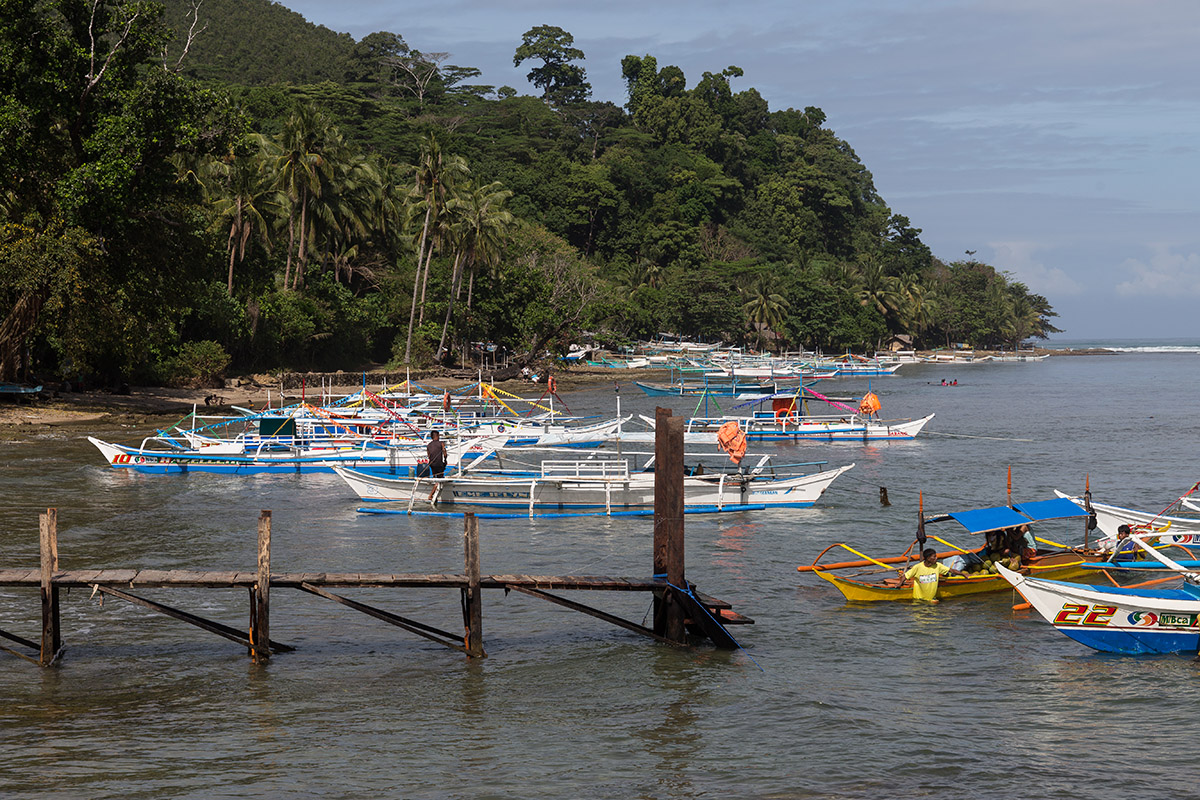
{"type": "Point", "coordinates": [68, 409]}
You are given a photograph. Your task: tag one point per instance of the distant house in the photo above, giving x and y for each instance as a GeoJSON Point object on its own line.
{"type": "Point", "coordinates": [898, 341]}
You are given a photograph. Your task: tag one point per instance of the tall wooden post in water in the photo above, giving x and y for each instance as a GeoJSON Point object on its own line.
{"type": "Point", "coordinates": [261, 607]}
{"type": "Point", "coordinates": [51, 639]}
{"type": "Point", "coordinates": [472, 597]}
{"type": "Point", "coordinates": [669, 613]}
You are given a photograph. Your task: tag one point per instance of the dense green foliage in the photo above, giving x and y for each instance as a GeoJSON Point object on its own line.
{"type": "Point", "coordinates": [186, 188]}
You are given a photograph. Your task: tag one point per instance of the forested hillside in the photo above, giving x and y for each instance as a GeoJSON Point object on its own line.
{"type": "Point", "coordinates": [226, 186]}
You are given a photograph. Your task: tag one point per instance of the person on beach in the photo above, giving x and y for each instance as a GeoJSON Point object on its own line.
{"type": "Point", "coordinates": [436, 452]}
{"type": "Point", "coordinates": [926, 575]}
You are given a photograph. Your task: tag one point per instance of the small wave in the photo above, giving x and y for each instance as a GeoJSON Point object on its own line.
{"type": "Point", "coordinates": [1157, 349]}
{"type": "Point", "coordinates": [1127, 345]}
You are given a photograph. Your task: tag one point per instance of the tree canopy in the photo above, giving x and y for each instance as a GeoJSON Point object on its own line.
{"type": "Point", "coordinates": [226, 183]}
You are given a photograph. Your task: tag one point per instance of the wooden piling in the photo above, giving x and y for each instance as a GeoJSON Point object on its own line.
{"type": "Point", "coordinates": [51, 639]}
{"type": "Point", "coordinates": [260, 608]}
{"type": "Point", "coordinates": [669, 613]}
{"type": "Point", "coordinates": [472, 597]}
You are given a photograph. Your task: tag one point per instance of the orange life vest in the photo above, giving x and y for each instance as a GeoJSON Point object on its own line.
{"type": "Point", "coordinates": [870, 404]}
{"type": "Point", "coordinates": [732, 440]}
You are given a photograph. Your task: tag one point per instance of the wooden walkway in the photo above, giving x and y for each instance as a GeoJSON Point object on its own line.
{"type": "Point", "coordinates": [679, 610]}
{"type": "Point", "coordinates": [160, 578]}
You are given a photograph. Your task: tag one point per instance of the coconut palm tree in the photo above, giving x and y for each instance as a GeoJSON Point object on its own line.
{"type": "Point", "coordinates": [919, 307]}
{"type": "Point", "coordinates": [434, 176]}
{"type": "Point", "coordinates": [765, 308]}
{"type": "Point", "coordinates": [238, 190]}
{"type": "Point", "coordinates": [305, 143]}
{"type": "Point", "coordinates": [343, 214]}
{"type": "Point", "coordinates": [478, 232]}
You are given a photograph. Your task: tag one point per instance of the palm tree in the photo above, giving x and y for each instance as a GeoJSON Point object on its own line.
{"type": "Point", "coordinates": [302, 163]}
{"type": "Point", "coordinates": [765, 308]}
{"type": "Point", "coordinates": [241, 184]}
{"type": "Point", "coordinates": [491, 225]}
{"type": "Point", "coordinates": [435, 174]}
{"type": "Point", "coordinates": [919, 307]}
{"type": "Point", "coordinates": [877, 288]}
{"type": "Point", "coordinates": [344, 212]}
{"type": "Point", "coordinates": [478, 234]}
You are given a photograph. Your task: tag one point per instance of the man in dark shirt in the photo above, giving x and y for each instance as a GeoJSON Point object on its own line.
{"type": "Point", "coordinates": [436, 452]}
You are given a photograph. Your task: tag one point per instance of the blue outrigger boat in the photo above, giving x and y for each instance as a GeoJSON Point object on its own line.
{"type": "Point", "coordinates": [1121, 619]}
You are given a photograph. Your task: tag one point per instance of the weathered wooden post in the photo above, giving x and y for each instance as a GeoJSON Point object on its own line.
{"type": "Point", "coordinates": [669, 613]}
{"type": "Point", "coordinates": [260, 608]}
{"type": "Point", "coordinates": [472, 596]}
{"type": "Point", "coordinates": [51, 640]}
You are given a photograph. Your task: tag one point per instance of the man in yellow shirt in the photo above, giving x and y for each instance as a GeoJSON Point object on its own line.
{"type": "Point", "coordinates": [924, 576]}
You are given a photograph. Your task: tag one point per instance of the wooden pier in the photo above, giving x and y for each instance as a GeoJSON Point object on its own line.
{"type": "Point", "coordinates": [679, 610]}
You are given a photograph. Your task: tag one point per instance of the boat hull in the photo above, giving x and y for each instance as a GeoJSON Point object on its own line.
{"type": "Point", "coordinates": [1116, 620]}
{"type": "Point", "coordinates": [1054, 565]}
{"type": "Point", "coordinates": [838, 431]}
{"type": "Point", "coordinates": [535, 491]}
{"type": "Point", "coordinates": [161, 462]}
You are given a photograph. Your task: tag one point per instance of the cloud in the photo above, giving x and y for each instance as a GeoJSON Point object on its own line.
{"type": "Point", "coordinates": [1164, 274]}
{"type": "Point", "coordinates": [1017, 258]}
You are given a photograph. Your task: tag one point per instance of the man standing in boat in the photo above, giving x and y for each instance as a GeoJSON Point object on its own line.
{"type": "Point", "coordinates": [436, 452]}
{"type": "Point", "coordinates": [925, 576]}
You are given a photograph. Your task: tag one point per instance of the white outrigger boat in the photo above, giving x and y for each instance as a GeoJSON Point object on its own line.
{"type": "Point", "coordinates": [786, 422]}
{"type": "Point", "coordinates": [161, 455]}
{"type": "Point", "coordinates": [1167, 529]}
{"type": "Point", "coordinates": [606, 484]}
{"type": "Point", "coordinates": [851, 428]}
{"type": "Point", "coordinates": [1116, 619]}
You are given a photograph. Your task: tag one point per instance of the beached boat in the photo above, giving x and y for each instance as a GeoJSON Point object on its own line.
{"type": "Point", "coordinates": [19, 390]}
{"type": "Point", "coordinates": [880, 579]}
{"type": "Point", "coordinates": [1113, 619]}
{"type": "Point", "coordinates": [606, 484]}
{"type": "Point", "coordinates": [1015, 358]}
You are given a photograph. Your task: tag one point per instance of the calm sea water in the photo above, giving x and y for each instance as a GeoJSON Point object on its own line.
{"type": "Point", "coordinates": [965, 699]}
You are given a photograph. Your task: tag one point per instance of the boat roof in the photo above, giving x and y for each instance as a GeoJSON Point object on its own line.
{"type": "Point", "coordinates": [1057, 508]}
{"type": "Point", "coordinates": [985, 520]}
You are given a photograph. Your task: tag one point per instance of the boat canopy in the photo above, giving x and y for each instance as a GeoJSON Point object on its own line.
{"type": "Point", "coordinates": [986, 520]}
{"type": "Point", "coordinates": [1058, 508]}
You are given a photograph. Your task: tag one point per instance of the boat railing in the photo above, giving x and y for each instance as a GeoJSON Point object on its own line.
{"type": "Point", "coordinates": [599, 469]}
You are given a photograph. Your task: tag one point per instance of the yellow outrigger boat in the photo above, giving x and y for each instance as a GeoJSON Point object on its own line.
{"type": "Point", "coordinates": [886, 581]}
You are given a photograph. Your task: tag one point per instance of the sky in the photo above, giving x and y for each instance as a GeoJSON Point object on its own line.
{"type": "Point", "coordinates": [1059, 140]}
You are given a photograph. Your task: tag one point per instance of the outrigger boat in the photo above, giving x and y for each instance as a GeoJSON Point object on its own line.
{"type": "Point", "coordinates": [880, 579]}
{"type": "Point", "coordinates": [1169, 529]}
{"type": "Point", "coordinates": [158, 455]}
{"type": "Point", "coordinates": [768, 427]}
{"type": "Point", "coordinates": [1114, 619]}
{"type": "Point", "coordinates": [785, 422]}
{"type": "Point", "coordinates": [607, 484]}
